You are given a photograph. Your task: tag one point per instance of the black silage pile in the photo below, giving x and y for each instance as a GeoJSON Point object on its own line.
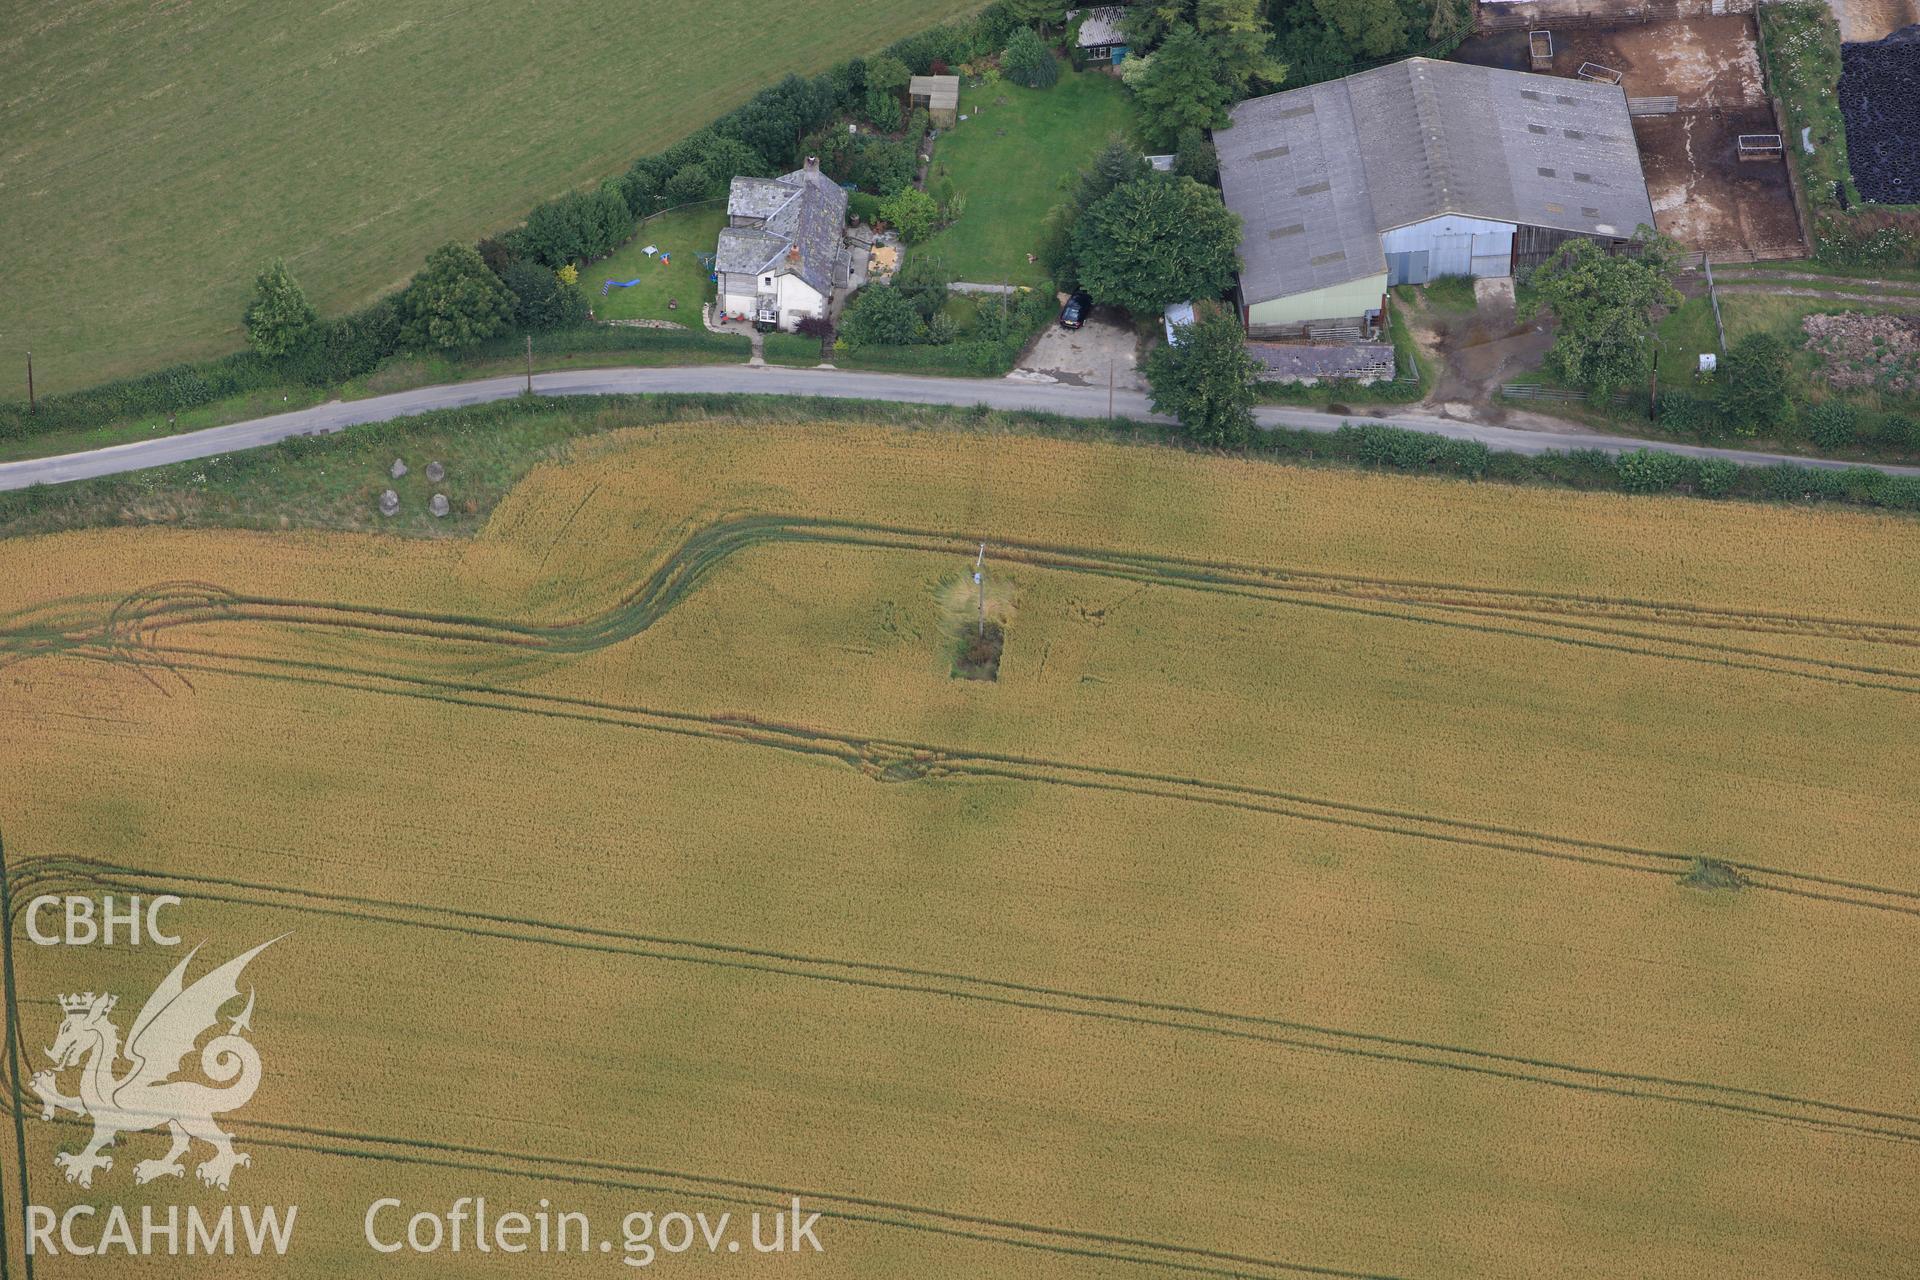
{"type": "Point", "coordinates": [1880, 98]}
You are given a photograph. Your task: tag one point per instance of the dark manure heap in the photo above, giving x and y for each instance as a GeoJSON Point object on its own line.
{"type": "Point", "coordinates": [1880, 98]}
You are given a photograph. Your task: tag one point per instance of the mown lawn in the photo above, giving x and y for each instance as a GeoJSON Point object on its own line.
{"type": "Point", "coordinates": [683, 235]}
{"type": "Point", "coordinates": [1010, 159]}
{"type": "Point", "coordinates": [157, 156]}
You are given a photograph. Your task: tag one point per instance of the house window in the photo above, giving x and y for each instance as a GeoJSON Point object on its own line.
{"type": "Point", "coordinates": [766, 282]}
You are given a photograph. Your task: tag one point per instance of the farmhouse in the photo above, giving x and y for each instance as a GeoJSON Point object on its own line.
{"type": "Point", "coordinates": [1417, 170]}
{"type": "Point", "coordinates": [783, 251]}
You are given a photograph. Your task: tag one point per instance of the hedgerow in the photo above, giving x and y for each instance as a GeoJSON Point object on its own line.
{"type": "Point", "coordinates": [758, 137]}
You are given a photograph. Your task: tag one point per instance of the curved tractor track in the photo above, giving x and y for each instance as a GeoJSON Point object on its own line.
{"type": "Point", "coordinates": [136, 630]}
{"type": "Point", "coordinates": [1687, 631]}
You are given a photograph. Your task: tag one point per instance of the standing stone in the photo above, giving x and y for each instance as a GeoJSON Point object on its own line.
{"type": "Point", "coordinates": [439, 504]}
{"type": "Point", "coordinates": [436, 472]}
{"type": "Point", "coordinates": [398, 469]}
{"type": "Point", "coordinates": [389, 503]}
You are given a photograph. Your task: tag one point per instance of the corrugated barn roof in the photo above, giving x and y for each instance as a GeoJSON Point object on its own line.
{"type": "Point", "coordinates": [1322, 171]}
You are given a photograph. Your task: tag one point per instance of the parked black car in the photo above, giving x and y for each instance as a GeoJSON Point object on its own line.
{"type": "Point", "coordinates": [1074, 314]}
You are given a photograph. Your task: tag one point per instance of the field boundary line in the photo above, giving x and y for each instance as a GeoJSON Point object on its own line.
{"type": "Point", "coordinates": [875, 755]}
{"type": "Point", "coordinates": [1397, 1050]}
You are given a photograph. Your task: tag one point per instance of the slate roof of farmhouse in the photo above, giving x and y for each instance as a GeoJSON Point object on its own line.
{"type": "Point", "coordinates": [804, 208]}
{"type": "Point", "coordinates": [1314, 191]}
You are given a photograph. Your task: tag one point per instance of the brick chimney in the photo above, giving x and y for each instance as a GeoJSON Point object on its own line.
{"type": "Point", "coordinates": [813, 164]}
{"type": "Point", "coordinates": [793, 254]}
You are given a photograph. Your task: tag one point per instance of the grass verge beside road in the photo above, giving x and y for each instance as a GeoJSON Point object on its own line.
{"type": "Point", "coordinates": [334, 481]}
{"type": "Point", "coordinates": [595, 348]}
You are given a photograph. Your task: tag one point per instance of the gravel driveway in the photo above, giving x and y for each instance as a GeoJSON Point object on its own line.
{"type": "Point", "coordinates": [1083, 357]}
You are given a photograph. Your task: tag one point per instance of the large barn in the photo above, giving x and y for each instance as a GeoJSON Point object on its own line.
{"type": "Point", "coordinates": [1417, 170]}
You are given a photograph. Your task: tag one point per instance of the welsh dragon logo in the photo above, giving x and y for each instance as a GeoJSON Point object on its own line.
{"type": "Point", "coordinates": [168, 1027]}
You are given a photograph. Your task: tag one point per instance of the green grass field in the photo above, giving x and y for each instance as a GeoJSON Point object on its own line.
{"type": "Point", "coordinates": [683, 235]}
{"type": "Point", "coordinates": [1010, 160]}
{"type": "Point", "coordinates": [157, 156]}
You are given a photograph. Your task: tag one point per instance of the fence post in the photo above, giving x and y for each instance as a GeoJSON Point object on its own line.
{"type": "Point", "coordinates": [1713, 296]}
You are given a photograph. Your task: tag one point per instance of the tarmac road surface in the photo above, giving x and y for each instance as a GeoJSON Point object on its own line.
{"type": "Point", "coordinates": [998, 393]}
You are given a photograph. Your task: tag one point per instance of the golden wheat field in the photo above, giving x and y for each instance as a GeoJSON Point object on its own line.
{"type": "Point", "coordinates": [1345, 876]}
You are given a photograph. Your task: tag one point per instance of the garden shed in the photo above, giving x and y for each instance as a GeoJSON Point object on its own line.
{"type": "Point", "coordinates": [940, 95]}
{"type": "Point", "coordinates": [1100, 36]}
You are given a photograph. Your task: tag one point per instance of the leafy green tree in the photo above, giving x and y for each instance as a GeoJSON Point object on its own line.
{"type": "Point", "coordinates": [923, 283]}
{"type": "Point", "coordinates": [1194, 156]}
{"type": "Point", "coordinates": [1028, 61]}
{"type": "Point", "coordinates": [688, 184]}
{"type": "Point", "coordinates": [1181, 87]}
{"type": "Point", "coordinates": [912, 213]}
{"type": "Point", "coordinates": [1603, 304]}
{"type": "Point", "coordinates": [1449, 20]}
{"type": "Point", "coordinates": [1370, 28]}
{"type": "Point", "coordinates": [1754, 389]}
{"type": "Point", "coordinates": [1041, 13]}
{"type": "Point", "coordinates": [454, 301]}
{"type": "Point", "coordinates": [1235, 34]}
{"type": "Point", "coordinates": [883, 110]}
{"type": "Point", "coordinates": [1118, 163]}
{"type": "Point", "coordinates": [883, 166]}
{"type": "Point", "coordinates": [1157, 240]}
{"type": "Point", "coordinates": [887, 74]}
{"type": "Point", "coordinates": [541, 300]}
{"type": "Point", "coordinates": [1206, 379]}
{"type": "Point", "coordinates": [279, 318]}
{"type": "Point", "coordinates": [881, 316]}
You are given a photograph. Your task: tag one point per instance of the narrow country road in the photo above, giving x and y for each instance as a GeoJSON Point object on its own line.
{"type": "Point", "coordinates": [998, 393]}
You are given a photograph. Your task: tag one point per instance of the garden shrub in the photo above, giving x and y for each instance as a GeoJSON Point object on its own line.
{"type": "Point", "coordinates": [1716, 477]}
{"type": "Point", "coordinates": [1901, 432]}
{"type": "Point", "coordinates": [1028, 61]}
{"type": "Point", "coordinates": [880, 315]}
{"type": "Point", "coordinates": [1652, 470]}
{"type": "Point", "coordinates": [1831, 424]}
{"type": "Point", "coordinates": [1685, 414]}
{"type": "Point", "coordinates": [883, 110]}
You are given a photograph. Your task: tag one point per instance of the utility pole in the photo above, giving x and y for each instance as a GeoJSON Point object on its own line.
{"type": "Point", "coordinates": [31, 406]}
{"type": "Point", "coordinates": [980, 585]}
{"type": "Point", "coordinates": [1109, 391]}
{"type": "Point", "coordinates": [529, 364]}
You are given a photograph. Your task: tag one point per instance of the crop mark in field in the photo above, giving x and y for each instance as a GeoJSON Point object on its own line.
{"type": "Point", "coordinates": [90, 875]}
{"type": "Point", "coordinates": [1614, 624]}
{"type": "Point", "coordinates": [904, 760]}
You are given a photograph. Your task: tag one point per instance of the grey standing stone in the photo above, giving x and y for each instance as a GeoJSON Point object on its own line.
{"type": "Point", "coordinates": [436, 472]}
{"type": "Point", "coordinates": [389, 503]}
{"type": "Point", "coordinates": [439, 504]}
{"type": "Point", "coordinates": [398, 469]}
